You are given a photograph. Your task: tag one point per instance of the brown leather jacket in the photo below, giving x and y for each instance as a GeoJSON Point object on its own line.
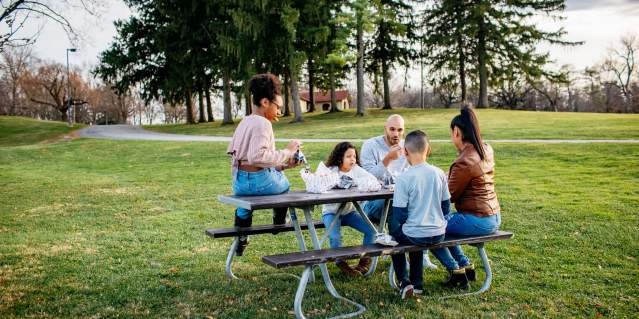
{"type": "Point", "coordinates": [471, 182]}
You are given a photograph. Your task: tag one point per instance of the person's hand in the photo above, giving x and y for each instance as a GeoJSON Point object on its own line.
{"type": "Point", "coordinates": [292, 163]}
{"type": "Point", "coordinates": [294, 145]}
{"type": "Point", "coordinates": [395, 152]}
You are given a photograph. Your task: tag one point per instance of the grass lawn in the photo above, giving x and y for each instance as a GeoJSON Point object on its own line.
{"type": "Point", "coordinates": [16, 130]}
{"type": "Point", "coordinates": [94, 228]}
{"type": "Point", "coordinates": [495, 124]}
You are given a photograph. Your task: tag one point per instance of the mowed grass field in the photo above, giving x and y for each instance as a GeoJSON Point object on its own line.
{"type": "Point", "coordinates": [15, 130]}
{"type": "Point", "coordinates": [94, 228]}
{"type": "Point", "coordinates": [495, 124]}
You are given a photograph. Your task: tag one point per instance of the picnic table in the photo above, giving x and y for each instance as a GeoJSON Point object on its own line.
{"type": "Point", "coordinates": [318, 257]}
{"type": "Point", "coordinates": [306, 202]}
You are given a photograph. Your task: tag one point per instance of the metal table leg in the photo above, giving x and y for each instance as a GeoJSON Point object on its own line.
{"type": "Point", "coordinates": [298, 229]}
{"type": "Point", "coordinates": [489, 274]}
{"type": "Point", "coordinates": [380, 229]}
{"type": "Point", "coordinates": [298, 234]}
{"type": "Point", "coordinates": [299, 295]}
{"type": "Point", "coordinates": [229, 259]}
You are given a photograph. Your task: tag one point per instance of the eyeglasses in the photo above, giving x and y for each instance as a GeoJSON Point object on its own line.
{"type": "Point", "coordinates": [278, 106]}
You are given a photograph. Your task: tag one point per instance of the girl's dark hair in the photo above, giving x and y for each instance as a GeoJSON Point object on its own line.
{"type": "Point", "coordinates": [467, 122]}
{"type": "Point", "coordinates": [337, 155]}
{"type": "Point", "coordinates": [265, 85]}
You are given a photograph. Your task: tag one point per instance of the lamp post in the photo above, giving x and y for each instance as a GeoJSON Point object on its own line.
{"type": "Point", "coordinates": [70, 113]}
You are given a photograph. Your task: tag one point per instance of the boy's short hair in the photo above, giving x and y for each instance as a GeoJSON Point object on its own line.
{"type": "Point", "coordinates": [416, 141]}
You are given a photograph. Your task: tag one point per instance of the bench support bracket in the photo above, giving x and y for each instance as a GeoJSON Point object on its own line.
{"type": "Point", "coordinates": [489, 274]}
{"type": "Point", "coordinates": [308, 270]}
{"type": "Point", "coordinates": [484, 260]}
{"type": "Point", "coordinates": [229, 259]}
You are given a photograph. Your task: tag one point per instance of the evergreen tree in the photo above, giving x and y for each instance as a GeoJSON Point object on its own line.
{"type": "Point", "coordinates": [447, 36]}
{"type": "Point", "coordinates": [391, 43]}
{"type": "Point", "coordinates": [362, 24]}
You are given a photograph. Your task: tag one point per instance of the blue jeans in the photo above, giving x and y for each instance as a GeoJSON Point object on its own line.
{"type": "Point", "coordinates": [374, 208]}
{"type": "Point", "coordinates": [469, 225]}
{"type": "Point", "coordinates": [352, 219]}
{"type": "Point", "coordinates": [268, 181]}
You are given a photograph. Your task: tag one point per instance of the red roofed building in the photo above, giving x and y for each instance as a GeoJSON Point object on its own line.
{"type": "Point", "coordinates": [323, 100]}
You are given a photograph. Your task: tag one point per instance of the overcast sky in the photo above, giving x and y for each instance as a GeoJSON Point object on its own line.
{"type": "Point", "coordinates": [600, 23]}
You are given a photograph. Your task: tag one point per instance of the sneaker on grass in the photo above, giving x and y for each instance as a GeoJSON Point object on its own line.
{"type": "Point", "coordinates": [385, 239]}
{"type": "Point", "coordinates": [406, 291]}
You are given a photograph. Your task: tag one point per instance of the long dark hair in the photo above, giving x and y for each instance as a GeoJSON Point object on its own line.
{"type": "Point", "coordinates": [467, 122]}
{"type": "Point", "coordinates": [337, 155]}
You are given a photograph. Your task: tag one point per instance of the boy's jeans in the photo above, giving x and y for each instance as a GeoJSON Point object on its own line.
{"type": "Point", "coordinates": [416, 259]}
{"type": "Point", "coordinates": [469, 225]}
{"type": "Point", "coordinates": [268, 181]}
{"type": "Point", "coordinates": [351, 219]}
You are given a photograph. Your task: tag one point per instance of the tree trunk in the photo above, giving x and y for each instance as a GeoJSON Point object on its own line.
{"type": "Point", "coordinates": [360, 65]}
{"type": "Point", "coordinates": [209, 107]}
{"type": "Point", "coordinates": [65, 114]}
{"type": "Point", "coordinates": [331, 75]}
{"type": "Point", "coordinates": [311, 85]}
{"type": "Point", "coordinates": [226, 87]}
{"type": "Point", "coordinates": [385, 76]}
{"type": "Point", "coordinates": [247, 102]}
{"type": "Point", "coordinates": [460, 51]}
{"type": "Point", "coordinates": [189, 107]}
{"type": "Point", "coordinates": [287, 108]}
{"type": "Point", "coordinates": [296, 97]}
{"type": "Point", "coordinates": [201, 101]}
{"type": "Point", "coordinates": [481, 61]}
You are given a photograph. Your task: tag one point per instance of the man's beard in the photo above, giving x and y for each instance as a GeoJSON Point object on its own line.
{"type": "Point", "coordinates": [391, 141]}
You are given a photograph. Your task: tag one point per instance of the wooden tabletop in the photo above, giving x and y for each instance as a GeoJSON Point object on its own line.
{"type": "Point", "coordinates": [303, 199]}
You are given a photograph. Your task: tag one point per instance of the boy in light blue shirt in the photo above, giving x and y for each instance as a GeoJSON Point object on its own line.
{"type": "Point", "coordinates": [420, 201]}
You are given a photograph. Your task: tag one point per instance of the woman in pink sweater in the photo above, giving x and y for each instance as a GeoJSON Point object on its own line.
{"type": "Point", "coordinates": [257, 166]}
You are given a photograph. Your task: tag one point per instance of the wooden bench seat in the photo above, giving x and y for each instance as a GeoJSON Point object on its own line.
{"type": "Point", "coordinates": [256, 230]}
{"type": "Point", "coordinates": [314, 257]}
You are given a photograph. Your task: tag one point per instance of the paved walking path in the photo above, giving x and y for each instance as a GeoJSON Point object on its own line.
{"type": "Point", "coordinates": [128, 132]}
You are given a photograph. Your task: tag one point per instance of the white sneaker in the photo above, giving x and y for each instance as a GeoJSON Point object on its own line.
{"type": "Point", "coordinates": [406, 292]}
{"type": "Point", "coordinates": [427, 263]}
{"type": "Point", "coordinates": [385, 239]}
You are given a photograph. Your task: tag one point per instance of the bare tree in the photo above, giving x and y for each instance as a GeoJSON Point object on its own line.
{"type": "Point", "coordinates": [174, 113]}
{"type": "Point", "coordinates": [47, 85]}
{"type": "Point", "coordinates": [622, 64]}
{"type": "Point", "coordinates": [13, 66]}
{"type": "Point", "coordinates": [446, 88]}
{"type": "Point", "coordinates": [551, 91]}
{"type": "Point", "coordinates": [16, 14]}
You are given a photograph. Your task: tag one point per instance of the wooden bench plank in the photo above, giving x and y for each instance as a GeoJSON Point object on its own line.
{"type": "Point", "coordinates": [313, 257]}
{"type": "Point", "coordinates": [255, 230]}
{"type": "Point", "coordinates": [302, 199]}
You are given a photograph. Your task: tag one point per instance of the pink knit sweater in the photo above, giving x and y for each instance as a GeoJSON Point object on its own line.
{"type": "Point", "coordinates": [253, 143]}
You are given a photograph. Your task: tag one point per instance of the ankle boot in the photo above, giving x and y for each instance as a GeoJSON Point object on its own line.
{"type": "Point", "coordinates": [457, 278]}
{"type": "Point", "coordinates": [364, 265]}
{"type": "Point", "coordinates": [243, 241]}
{"type": "Point", "coordinates": [279, 218]}
{"type": "Point", "coordinates": [470, 272]}
{"type": "Point", "coordinates": [346, 269]}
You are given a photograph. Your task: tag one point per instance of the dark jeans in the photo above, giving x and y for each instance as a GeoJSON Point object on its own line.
{"type": "Point", "coordinates": [416, 276]}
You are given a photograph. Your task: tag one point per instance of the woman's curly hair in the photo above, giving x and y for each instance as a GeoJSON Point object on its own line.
{"type": "Point", "coordinates": [265, 85]}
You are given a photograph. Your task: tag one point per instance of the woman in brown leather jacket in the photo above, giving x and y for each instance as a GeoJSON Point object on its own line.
{"type": "Point", "coordinates": [471, 185]}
